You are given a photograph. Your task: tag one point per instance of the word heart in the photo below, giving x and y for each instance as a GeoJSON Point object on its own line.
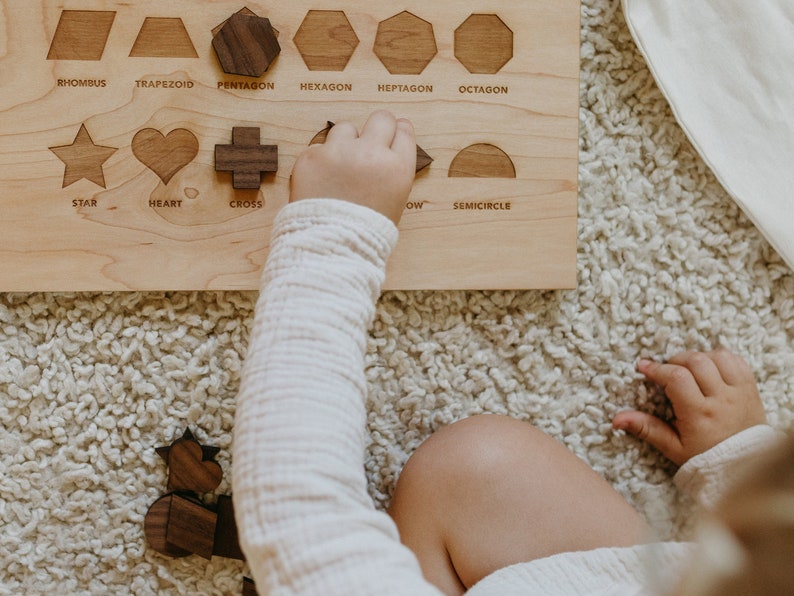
{"type": "Point", "coordinates": [167, 154]}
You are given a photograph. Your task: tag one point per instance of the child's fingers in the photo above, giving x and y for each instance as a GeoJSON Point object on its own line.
{"type": "Point", "coordinates": [342, 130]}
{"type": "Point", "coordinates": [703, 368]}
{"type": "Point", "coordinates": [404, 143]}
{"type": "Point", "coordinates": [733, 368]}
{"type": "Point", "coordinates": [652, 430]}
{"type": "Point", "coordinates": [380, 128]}
{"type": "Point", "coordinates": [677, 381]}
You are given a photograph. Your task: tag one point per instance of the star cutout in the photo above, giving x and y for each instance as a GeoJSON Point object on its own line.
{"type": "Point", "coordinates": [83, 159]}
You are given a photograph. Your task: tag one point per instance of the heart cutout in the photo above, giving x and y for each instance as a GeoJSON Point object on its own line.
{"type": "Point", "coordinates": [189, 471]}
{"type": "Point", "coordinates": [165, 155]}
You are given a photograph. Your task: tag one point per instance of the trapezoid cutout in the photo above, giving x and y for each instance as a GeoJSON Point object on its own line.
{"type": "Point", "coordinates": [163, 37]}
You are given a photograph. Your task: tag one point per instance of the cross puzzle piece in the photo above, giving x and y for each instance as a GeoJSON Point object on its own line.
{"type": "Point", "coordinates": [246, 158]}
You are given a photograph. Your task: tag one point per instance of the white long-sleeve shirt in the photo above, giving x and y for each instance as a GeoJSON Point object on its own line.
{"type": "Point", "coordinates": [307, 524]}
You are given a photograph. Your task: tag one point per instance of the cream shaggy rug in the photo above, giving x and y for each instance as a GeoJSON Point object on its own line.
{"type": "Point", "coordinates": [90, 384]}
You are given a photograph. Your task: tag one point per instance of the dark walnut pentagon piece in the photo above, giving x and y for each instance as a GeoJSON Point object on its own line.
{"type": "Point", "coordinates": [246, 45]}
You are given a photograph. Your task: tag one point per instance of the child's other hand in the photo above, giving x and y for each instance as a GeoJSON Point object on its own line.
{"type": "Point", "coordinates": [714, 396]}
{"type": "Point", "coordinates": [375, 168]}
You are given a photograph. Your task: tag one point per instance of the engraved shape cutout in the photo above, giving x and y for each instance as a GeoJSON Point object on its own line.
{"type": "Point", "coordinates": [405, 44]}
{"type": "Point", "coordinates": [482, 160]}
{"type": "Point", "coordinates": [83, 159]}
{"type": "Point", "coordinates": [246, 45]}
{"type": "Point", "coordinates": [81, 35]}
{"type": "Point", "coordinates": [326, 40]}
{"type": "Point", "coordinates": [163, 38]}
{"type": "Point", "coordinates": [165, 155]}
{"type": "Point", "coordinates": [321, 136]}
{"type": "Point", "coordinates": [423, 159]}
{"type": "Point", "coordinates": [246, 158]}
{"type": "Point", "coordinates": [483, 44]}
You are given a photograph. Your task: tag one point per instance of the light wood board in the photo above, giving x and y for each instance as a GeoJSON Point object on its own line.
{"type": "Point", "coordinates": [121, 227]}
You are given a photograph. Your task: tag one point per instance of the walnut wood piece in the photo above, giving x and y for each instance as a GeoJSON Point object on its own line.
{"type": "Point", "coordinates": [81, 35]}
{"type": "Point", "coordinates": [163, 38]}
{"type": "Point", "coordinates": [227, 541]}
{"type": "Point", "coordinates": [249, 587]}
{"type": "Point", "coordinates": [483, 44]}
{"type": "Point", "coordinates": [188, 471]}
{"type": "Point", "coordinates": [155, 526]}
{"type": "Point", "coordinates": [191, 465]}
{"type": "Point", "coordinates": [246, 45]}
{"type": "Point", "coordinates": [165, 155]}
{"type": "Point", "coordinates": [422, 158]}
{"type": "Point", "coordinates": [326, 40]}
{"type": "Point", "coordinates": [405, 43]}
{"type": "Point", "coordinates": [482, 161]}
{"type": "Point", "coordinates": [244, 11]}
{"type": "Point", "coordinates": [83, 159]}
{"type": "Point", "coordinates": [246, 158]}
{"type": "Point", "coordinates": [191, 526]}
{"type": "Point", "coordinates": [208, 451]}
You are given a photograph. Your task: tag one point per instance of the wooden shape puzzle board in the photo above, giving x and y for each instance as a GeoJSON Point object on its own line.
{"type": "Point", "coordinates": [110, 113]}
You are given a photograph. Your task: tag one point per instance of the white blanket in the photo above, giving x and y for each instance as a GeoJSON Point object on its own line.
{"type": "Point", "coordinates": [727, 69]}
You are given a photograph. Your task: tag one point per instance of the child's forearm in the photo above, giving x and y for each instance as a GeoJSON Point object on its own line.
{"type": "Point", "coordinates": [307, 524]}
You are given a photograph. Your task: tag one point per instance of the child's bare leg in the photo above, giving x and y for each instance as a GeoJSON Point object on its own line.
{"type": "Point", "coordinates": [491, 491]}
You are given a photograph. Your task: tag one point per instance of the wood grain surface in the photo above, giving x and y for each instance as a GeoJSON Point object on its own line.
{"type": "Point", "coordinates": [87, 204]}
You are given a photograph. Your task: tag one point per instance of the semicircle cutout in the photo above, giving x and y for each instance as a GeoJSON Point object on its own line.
{"type": "Point", "coordinates": [482, 160]}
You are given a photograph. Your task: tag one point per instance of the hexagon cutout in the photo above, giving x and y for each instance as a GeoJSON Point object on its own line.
{"type": "Point", "coordinates": [405, 44]}
{"type": "Point", "coordinates": [326, 40]}
{"type": "Point", "coordinates": [483, 44]}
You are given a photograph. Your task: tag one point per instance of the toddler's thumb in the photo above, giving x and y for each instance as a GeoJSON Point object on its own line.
{"type": "Point", "coordinates": [651, 429]}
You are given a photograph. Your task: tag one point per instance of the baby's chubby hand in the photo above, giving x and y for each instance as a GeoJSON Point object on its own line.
{"type": "Point", "coordinates": [714, 396]}
{"type": "Point", "coordinates": [375, 168]}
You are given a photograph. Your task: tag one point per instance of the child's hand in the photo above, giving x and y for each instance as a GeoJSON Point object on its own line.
{"type": "Point", "coordinates": [714, 396]}
{"type": "Point", "coordinates": [375, 168]}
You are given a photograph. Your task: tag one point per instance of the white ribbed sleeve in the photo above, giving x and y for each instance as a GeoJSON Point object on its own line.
{"type": "Point", "coordinates": [707, 477]}
{"type": "Point", "coordinates": [307, 524]}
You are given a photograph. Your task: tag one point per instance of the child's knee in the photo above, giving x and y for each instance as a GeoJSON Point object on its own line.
{"type": "Point", "coordinates": [470, 453]}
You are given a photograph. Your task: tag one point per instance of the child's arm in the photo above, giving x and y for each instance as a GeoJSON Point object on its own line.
{"type": "Point", "coordinates": [307, 524]}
